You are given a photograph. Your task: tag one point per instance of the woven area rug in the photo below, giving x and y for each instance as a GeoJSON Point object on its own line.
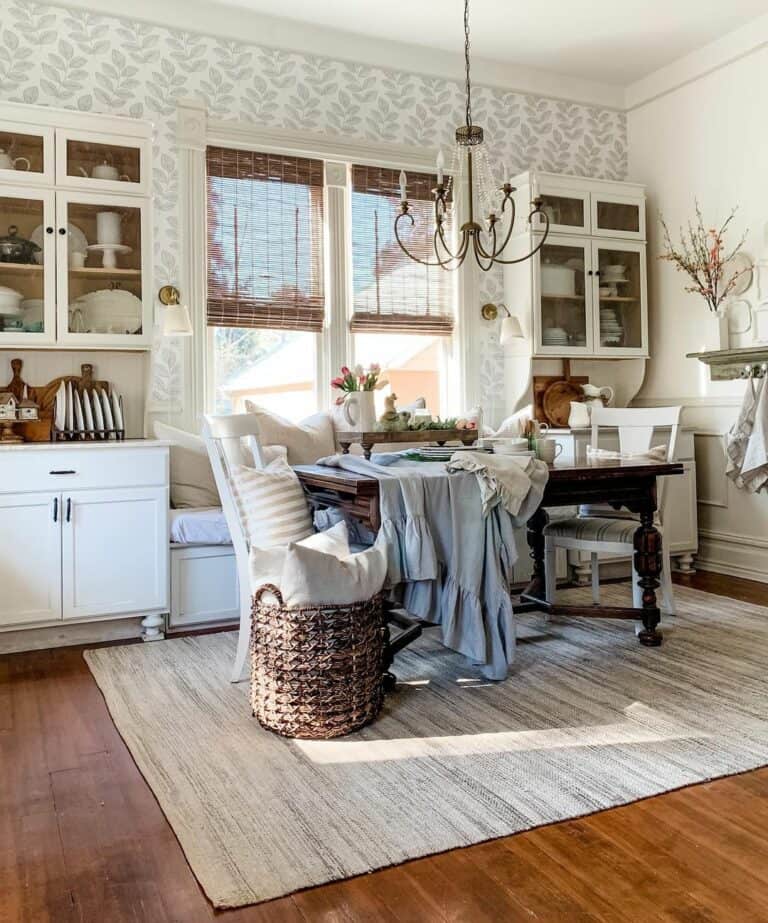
{"type": "Point", "coordinates": [587, 720]}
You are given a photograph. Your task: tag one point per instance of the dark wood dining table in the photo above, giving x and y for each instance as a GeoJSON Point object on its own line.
{"type": "Point", "coordinates": [627, 483]}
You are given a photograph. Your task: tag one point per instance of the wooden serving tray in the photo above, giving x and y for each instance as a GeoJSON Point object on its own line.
{"type": "Point", "coordinates": [540, 385]}
{"type": "Point", "coordinates": [369, 439]}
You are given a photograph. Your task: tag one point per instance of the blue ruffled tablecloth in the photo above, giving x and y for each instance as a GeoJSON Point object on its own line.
{"type": "Point", "coordinates": [448, 563]}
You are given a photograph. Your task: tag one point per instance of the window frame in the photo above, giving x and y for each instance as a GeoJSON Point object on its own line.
{"type": "Point", "coordinates": [335, 345]}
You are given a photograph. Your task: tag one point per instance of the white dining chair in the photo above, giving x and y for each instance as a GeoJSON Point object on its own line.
{"type": "Point", "coordinates": [224, 438]}
{"type": "Point", "coordinates": [601, 529]}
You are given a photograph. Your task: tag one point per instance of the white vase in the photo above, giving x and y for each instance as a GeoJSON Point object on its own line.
{"type": "Point", "coordinates": [359, 411]}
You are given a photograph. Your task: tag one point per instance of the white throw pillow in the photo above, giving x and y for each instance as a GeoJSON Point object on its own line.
{"type": "Point", "coordinates": [267, 563]}
{"type": "Point", "coordinates": [272, 505]}
{"type": "Point", "coordinates": [192, 481]}
{"type": "Point", "coordinates": [310, 577]}
{"type": "Point", "coordinates": [305, 442]}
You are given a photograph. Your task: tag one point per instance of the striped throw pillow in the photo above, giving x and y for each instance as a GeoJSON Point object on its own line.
{"type": "Point", "coordinates": [272, 505]}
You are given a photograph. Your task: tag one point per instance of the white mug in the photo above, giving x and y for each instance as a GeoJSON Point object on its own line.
{"type": "Point", "coordinates": [77, 259]}
{"type": "Point", "coordinates": [548, 450]}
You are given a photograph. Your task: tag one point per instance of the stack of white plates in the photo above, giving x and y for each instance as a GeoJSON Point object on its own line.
{"type": "Point", "coordinates": [444, 452]}
{"type": "Point", "coordinates": [554, 336]}
{"type": "Point", "coordinates": [611, 331]}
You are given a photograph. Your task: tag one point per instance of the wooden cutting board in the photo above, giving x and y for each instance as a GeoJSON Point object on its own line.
{"type": "Point", "coordinates": [540, 385]}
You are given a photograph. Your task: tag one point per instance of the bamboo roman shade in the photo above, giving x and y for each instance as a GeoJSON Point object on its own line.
{"type": "Point", "coordinates": [392, 293]}
{"type": "Point", "coordinates": [265, 240]}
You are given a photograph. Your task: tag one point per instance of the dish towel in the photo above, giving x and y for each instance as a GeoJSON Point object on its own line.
{"type": "Point", "coordinates": [506, 480]}
{"type": "Point", "coordinates": [657, 453]}
{"type": "Point", "coordinates": [754, 469]}
{"type": "Point", "coordinates": [738, 435]}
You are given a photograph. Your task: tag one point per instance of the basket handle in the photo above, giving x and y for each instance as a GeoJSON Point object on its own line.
{"type": "Point", "coordinates": [265, 589]}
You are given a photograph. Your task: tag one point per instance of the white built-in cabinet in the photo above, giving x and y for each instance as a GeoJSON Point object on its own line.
{"type": "Point", "coordinates": [85, 532]}
{"type": "Point", "coordinates": [585, 290]}
{"type": "Point", "coordinates": [77, 186]}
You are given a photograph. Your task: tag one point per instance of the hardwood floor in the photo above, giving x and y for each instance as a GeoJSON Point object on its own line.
{"type": "Point", "coordinates": [82, 838]}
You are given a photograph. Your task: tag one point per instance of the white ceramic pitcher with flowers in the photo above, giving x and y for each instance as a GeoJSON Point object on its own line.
{"type": "Point", "coordinates": [359, 409]}
{"type": "Point", "coordinates": [357, 405]}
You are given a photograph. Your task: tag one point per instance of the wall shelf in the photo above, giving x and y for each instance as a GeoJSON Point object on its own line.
{"type": "Point", "coordinates": [728, 364]}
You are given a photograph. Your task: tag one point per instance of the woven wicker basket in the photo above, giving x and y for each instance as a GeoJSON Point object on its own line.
{"type": "Point", "coordinates": [316, 672]}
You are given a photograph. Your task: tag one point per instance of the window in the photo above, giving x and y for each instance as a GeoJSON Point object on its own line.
{"type": "Point", "coordinates": [266, 302]}
{"type": "Point", "coordinates": [402, 310]}
{"type": "Point", "coordinates": [272, 336]}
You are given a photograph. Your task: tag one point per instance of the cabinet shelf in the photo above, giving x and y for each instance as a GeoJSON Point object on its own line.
{"type": "Point", "coordinates": [618, 298]}
{"type": "Point", "coordinates": [562, 297]}
{"type": "Point", "coordinates": [23, 269]}
{"type": "Point", "coordinates": [96, 271]}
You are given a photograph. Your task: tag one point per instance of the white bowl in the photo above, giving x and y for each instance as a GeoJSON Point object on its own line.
{"type": "Point", "coordinates": [110, 311]}
{"type": "Point", "coordinates": [10, 301]}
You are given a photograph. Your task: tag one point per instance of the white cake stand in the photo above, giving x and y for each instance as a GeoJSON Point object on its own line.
{"type": "Point", "coordinates": [109, 253]}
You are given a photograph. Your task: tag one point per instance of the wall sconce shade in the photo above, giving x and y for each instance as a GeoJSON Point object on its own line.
{"type": "Point", "coordinates": [510, 330]}
{"type": "Point", "coordinates": [176, 321]}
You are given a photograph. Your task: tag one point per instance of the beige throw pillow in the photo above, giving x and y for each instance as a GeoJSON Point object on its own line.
{"type": "Point", "coordinates": [192, 481]}
{"type": "Point", "coordinates": [267, 563]}
{"type": "Point", "coordinates": [272, 505]}
{"type": "Point", "coordinates": [305, 442]}
{"type": "Point", "coordinates": [310, 577]}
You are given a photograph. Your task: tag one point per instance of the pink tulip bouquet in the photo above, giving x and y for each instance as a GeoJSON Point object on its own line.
{"type": "Point", "coordinates": [358, 379]}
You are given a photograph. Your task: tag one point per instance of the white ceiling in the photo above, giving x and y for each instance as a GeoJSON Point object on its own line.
{"type": "Point", "coordinates": [609, 41]}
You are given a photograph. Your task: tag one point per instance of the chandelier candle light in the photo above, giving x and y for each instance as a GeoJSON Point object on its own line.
{"type": "Point", "coordinates": [486, 242]}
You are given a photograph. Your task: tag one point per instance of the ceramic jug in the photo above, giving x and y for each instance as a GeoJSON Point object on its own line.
{"type": "Point", "coordinates": [595, 395]}
{"type": "Point", "coordinates": [578, 418]}
{"type": "Point", "coordinates": [105, 170]}
{"type": "Point", "coordinates": [360, 411]}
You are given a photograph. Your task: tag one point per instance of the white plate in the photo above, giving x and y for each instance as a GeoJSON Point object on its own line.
{"type": "Point", "coordinates": [108, 420]}
{"type": "Point", "coordinates": [60, 413]}
{"type": "Point", "coordinates": [117, 411]}
{"type": "Point", "coordinates": [87, 411]}
{"type": "Point", "coordinates": [77, 241]}
{"type": "Point", "coordinates": [79, 421]}
{"type": "Point", "coordinates": [98, 416]}
{"type": "Point", "coordinates": [69, 405]}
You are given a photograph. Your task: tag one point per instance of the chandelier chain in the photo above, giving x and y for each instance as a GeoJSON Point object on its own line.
{"type": "Point", "coordinates": [466, 63]}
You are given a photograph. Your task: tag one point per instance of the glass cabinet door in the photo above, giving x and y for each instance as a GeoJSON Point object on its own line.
{"type": "Point", "coordinates": [568, 212]}
{"type": "Point", "coordinates": [619, 280]}
{"type": "Point", "coordinates": [564, 298]}
{"type": "Point", "coordinates": [614, 216]}
{"type": "Point", "coordinates": [27, 266]}
{"type": "Point", "coordinates": [103, 272]}
{"type": "Point", "coordinates": [92, 161]}
{"type": "Point", "coordinates": [26, 153]}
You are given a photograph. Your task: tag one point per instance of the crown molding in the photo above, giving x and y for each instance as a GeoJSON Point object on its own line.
{"type": "Point", "coordinates": [244, 25]}
{"type": "Point", "coordinates": [714, 56]}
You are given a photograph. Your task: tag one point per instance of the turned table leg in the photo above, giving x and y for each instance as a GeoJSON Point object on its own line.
{"type": "Point", "coordinates": [535, 537]}
{"type": "Point", "coordinates": [345, 447]}
{"type": "Point", "coordinates": [648, 565]}
{"type": "Point", "coordinates": [367, 447]}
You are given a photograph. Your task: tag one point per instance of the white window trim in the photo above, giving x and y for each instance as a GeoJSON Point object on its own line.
{"type": "Point", "coordinates": [195, 132]}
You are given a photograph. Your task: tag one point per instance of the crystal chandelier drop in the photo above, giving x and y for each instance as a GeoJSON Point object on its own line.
{"type": "Point", "coordinates": [487, 240]}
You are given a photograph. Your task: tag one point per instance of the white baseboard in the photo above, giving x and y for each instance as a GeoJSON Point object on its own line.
{"type": "Point", "coordinates": [734, 555]}
{"type": "Point", "coordinates": [37, 639]}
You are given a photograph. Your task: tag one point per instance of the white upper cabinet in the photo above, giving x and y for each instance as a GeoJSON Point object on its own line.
{"type": "Point", "coordinates": [586, 286]}
{"type": "Point", "coordinates": [102, 162]}
{"type": "Point", "coordinates": [75, 229]}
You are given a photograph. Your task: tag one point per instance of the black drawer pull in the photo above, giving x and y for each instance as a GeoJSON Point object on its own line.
{"type": "Point", "coordinates": [64, 471]}
{"type": "Point", "coordinates": [55, 509]}
{"type": "Point", "coordinates": [69, 508]}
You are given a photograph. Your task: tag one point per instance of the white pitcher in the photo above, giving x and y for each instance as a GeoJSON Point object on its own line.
{"type": "Point", "coordinates": [360, 411]}
{"type": "Point", "coordinates": [594, 393]}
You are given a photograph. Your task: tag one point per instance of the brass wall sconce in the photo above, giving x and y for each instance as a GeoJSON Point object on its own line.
{"type": "Point", "coordinates": [176, 321]}
{"type": "Point", "coordinates": [510, 325]}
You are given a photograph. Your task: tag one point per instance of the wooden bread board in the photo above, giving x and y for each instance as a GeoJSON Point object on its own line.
{"type": "Point", "coordinates": [540, 385]}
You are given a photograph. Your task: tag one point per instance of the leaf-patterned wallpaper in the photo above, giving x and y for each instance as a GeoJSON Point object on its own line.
{"type": "Point", "coordinates": [55, 56]}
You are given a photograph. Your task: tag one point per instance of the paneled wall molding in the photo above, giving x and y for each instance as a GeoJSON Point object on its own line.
{"type": "Point", "coordinates": [736, 555]}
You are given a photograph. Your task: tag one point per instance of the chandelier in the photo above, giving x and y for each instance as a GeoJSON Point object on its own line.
{"type": "Point", "coordinates": [488, 240]}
